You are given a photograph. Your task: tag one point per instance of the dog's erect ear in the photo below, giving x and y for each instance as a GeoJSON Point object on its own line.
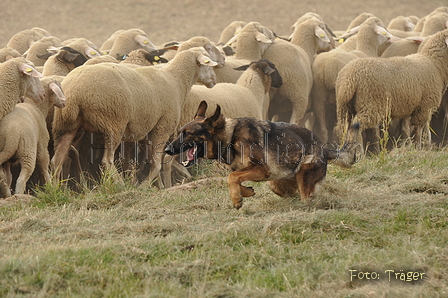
{"type": "Point", "coordinates": [200, 114]}
{"type": "Point", "coordinates": [216, 115]}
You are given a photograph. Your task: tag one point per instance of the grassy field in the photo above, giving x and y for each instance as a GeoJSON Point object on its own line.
{"type": "Point", "coordinates": [384, 218]}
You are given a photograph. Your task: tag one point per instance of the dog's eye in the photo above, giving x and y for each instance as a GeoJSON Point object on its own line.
{"type": "Point", "coordinates": [186, 133]}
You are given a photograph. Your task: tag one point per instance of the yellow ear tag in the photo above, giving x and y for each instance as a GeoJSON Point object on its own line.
{"type": "Point", "coordinates": [384, 33]}
{"type": "Point", "coordinates": [156, 58]}
{"type": "Point", "coordinates": [207, 61]}
{"type": "Point", "coordinates": [145, 41]}
{"type": "Point", "coordinates": [29, 69]}
{"type": "Point", "coordinates": [92, 53]}
{"type": "Point", "coordinates": [321, 35]}
{"type": "Point", "coordinates": [154, 63]}
{"type": "Point", "coordinates": [341, 40]}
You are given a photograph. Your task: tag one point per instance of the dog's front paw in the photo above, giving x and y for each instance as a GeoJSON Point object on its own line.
{"type": "Point", "coordinates": [247, 191]}
{"type": "Point", "coordinates": [237, 202]}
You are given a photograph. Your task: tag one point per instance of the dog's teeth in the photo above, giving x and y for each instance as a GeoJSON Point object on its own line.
{"type": "Point", "coordinates": [185, 163]}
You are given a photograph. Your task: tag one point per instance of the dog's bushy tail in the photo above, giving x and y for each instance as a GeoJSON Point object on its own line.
{"type": "Point", "coordinates": [346, 156]}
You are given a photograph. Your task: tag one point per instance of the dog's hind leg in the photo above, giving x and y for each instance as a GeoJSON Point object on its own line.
{"type": "Point", "coordinates": [284, 188]}
{"type": "Point", "coordinates": [250, 173]}
{"type": "Point", "coordinates": [309, 177]}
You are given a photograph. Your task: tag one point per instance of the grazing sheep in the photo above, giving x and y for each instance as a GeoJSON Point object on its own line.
{"type": "Point", "coordinates": [22, 40]}
{"type": "Point", "coordinates": [24, 136]}
{"type": "Point", "coordinates": [256, 42]}
{"type": "Point", "coordinates": [370, 89]}
{"type": "Point", "coordinates": [42, 49]}
{"type": "Point", "coordinates": [123, 103]}
{"type": "Point", "coordinates": [18, 79]}
{"type": "Point", "coordinates": [130, 40]}
{"type": "Point", "coordinates": [7, 53]}
{"type": "Point", "coordinates": [370, 35]}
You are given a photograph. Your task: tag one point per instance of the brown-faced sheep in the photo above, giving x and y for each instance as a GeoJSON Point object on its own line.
{"type": "Point", "coordinates": [129, 104]}
{"type": "Point", "coordinates": [18, 79]}
{"type": "Point", "coordinates": [130, 40]}
{"type": "Point", "coordinates": [370, 35]}
{"type": "Point", "coordinates": [24, 136]}
{"type": "Point", "coordinates": [22, 40]}
{"type": "Point", "coordinates": [256, 42]}
{"type": "Point", "coordinates": [370, 89]}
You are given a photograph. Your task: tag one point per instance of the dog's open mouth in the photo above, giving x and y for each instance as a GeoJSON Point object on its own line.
{"type": "Point", "coordinates": [191, 158]}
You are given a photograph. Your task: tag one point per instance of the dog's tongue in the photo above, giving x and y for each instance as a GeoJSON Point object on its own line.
{"type": "Point", "coordinates": [190, 156]}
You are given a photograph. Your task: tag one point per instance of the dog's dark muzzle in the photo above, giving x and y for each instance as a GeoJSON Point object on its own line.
{"type": "Point", "coordinates": [191, 151]}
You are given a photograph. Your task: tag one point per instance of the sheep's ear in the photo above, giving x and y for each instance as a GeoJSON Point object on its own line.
{"type": "Point", "coordinates": [91, 52]}
{"type": "Point", "coordinates": [44, 56]}
{"type": "Point", "coordinates": [446, 41]}
{"type": "Point", "coordinates": [350, 33]}
{"type": "Point", "coordinates": [200, 114]}
{"type": "Point", "coordinates": [29, 70]}
{"type": "Point", "coordinates": [242, 67]}
{"type": "Point", "coordinates": [204, 60]}
{"type": "Point", "coordinates": [144, 41]}
{"type": "Point", "coordinates": [382, 31]}
{"type": "Point", "coordinates": [57, 90]}
{"type": "Point", "coordinates": [260, 37]}
{"type": "Point", "coordinates": [320, 33]}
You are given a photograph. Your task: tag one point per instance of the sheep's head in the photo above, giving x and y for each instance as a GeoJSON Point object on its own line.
{"type": "Point", "coordinates": [206, 74]}
{"type": "Point", "coordinates": [29, 79]}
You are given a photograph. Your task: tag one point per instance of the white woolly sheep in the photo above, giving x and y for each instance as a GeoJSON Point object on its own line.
{"type": "Point", "coordinates": [108, 43]}
{"type": "Point", "coordinates": [130, 40]}
{"type": "Point", "coordinates": [64, 61]}
{"type": "Point", "coordinates": [350, 43]}
{"type": "Point", "coordinates": [18, 79]}
{"type": "Point", "coordinates": [42, 49]}
{"type": "Point", "coordinates": [324, 46]}
{"type": "Point", "coordinates": [142, 57]}
{"type": "Point", "coordinates": [84, 46]}
{"type": "Point", "coordinates": [434, 23]}
{"type": "Point", "coordinates": [249, 97]}
{"type": "Point", "coordinates": [22, 40]}
{"type": "Point", "coordinates": [256, 42]}
{"type": "Point", "coordinates": [370, 35]}
{"type": "Point", "coordinates": [123, 103]}
{"type": "Point", "coordinates": [24, 136]}
{"type": "Point", "coordinates": [7, 53]}
{"type": "Point", "coordinates": [396, 87]}
{"type": "Point", "coordinates": [401, 23]}
{"type": "Point", "coordinates": [230, 31]}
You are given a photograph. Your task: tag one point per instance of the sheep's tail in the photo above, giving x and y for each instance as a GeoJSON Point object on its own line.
{"type": "Point", "coordinates": [347, 155]}
{"type": "Point", "coordinates": [345, 101]}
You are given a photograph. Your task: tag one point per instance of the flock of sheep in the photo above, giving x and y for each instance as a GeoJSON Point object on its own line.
{"type": "Point", "coordinates": [117, 106]}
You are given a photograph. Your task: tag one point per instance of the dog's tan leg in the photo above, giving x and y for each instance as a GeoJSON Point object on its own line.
{"type": "Point", "coordinates": [251, 173]}
{"type": "Point", "coordinates": [308, 177]}
{"type": "Point", "coordinates": [284, 188]}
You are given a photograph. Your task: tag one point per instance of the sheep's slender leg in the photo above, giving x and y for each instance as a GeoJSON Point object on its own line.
{"type": "Point", "coordinates": [43, 162]}
{"type": "Point", "coordinates": [111, 144]}
{"type": "Point", "coordinates": [26, 170]}
{"type": "Point", "coordinates": [418, 136]}
{"type": "Point", "coordinates": [60, 153]}
{"type": "Point", "coordinates": [250, 173]}
{"type": "Point", "coordinates": [5, 183]}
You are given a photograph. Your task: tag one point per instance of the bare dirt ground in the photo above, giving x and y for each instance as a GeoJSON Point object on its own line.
{"type": "Point", "coordinates": [178, 20]}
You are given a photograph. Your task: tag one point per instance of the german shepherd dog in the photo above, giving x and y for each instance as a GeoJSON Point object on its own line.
{"type": "Point", "coordinates": [289, 156]}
